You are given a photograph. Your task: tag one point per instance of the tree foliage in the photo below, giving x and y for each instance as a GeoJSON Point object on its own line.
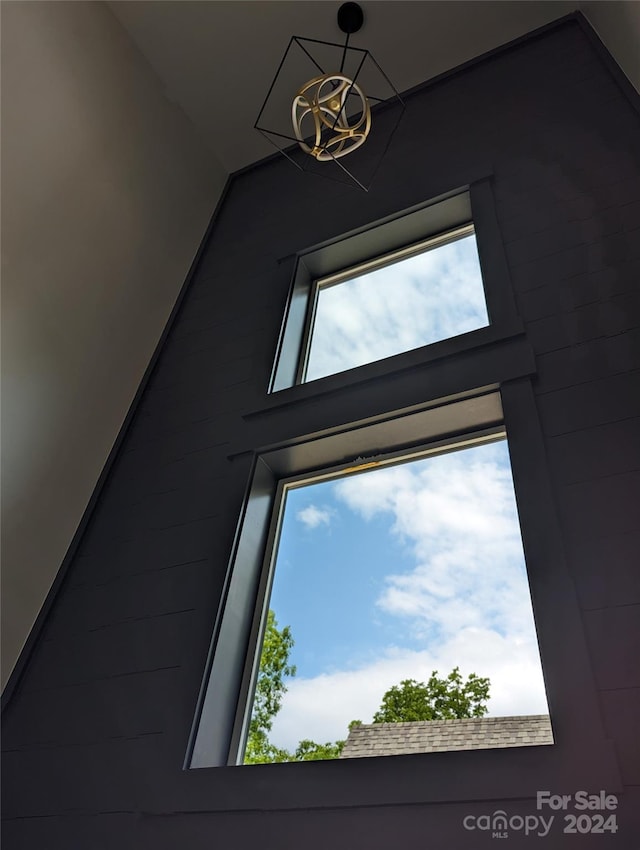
{"type": "Point", "coordinates": [439, 699]}
{"type": "Point", "coordinates": [273, 669]}
{"type": "Point", "coordinates": [310, 751]}
{"type": "Point", "coordinates": [271, 687]}
{"type": "Point", "coordinates": [260, 750]}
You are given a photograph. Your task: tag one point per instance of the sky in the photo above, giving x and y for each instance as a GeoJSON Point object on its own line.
{"type": "Point", "coordinates": [417, 301]}
{"type": "Point", "coordinates": [398, 571]}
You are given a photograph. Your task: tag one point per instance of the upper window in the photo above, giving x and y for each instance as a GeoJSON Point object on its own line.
{"type": "Point", "coordinates": [392, 288]}
{"type": "Point", "coordinates": [409, 298]}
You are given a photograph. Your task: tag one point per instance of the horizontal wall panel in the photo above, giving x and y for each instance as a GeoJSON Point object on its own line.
{"type": "Point", "coordinates": [621, 710]}
{"type": "Point", "coordinates": [605, 569]}
{"type": "Point", "coordinates": [598, 452]}
{"type": "Point", "coordinates": [590, 404]}
{"type": "Point", "coordinates": [614, 637]}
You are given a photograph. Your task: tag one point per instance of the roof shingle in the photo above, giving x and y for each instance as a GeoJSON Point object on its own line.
{"type": "Point", "coordinates": [432, 736]}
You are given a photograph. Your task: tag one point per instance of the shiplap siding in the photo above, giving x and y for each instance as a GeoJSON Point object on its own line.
{"type": "Point", "coordinates": [96, 733]}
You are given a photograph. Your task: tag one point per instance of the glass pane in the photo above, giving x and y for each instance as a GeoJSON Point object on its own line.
{"type": "Point", "coordinates": [416, 301]}
{"type": "Point", "coordinates": [388, 575]}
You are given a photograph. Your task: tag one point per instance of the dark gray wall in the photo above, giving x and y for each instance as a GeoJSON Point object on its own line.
{"type": "Point", "coordinates": [96, 732]}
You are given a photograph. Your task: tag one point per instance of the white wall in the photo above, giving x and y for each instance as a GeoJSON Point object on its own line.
{"type": "Point", "coordinates": [106, 194]}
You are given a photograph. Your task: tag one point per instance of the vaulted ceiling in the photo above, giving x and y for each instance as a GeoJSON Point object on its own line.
{"type": "Point", "coordinates": [216, 59]}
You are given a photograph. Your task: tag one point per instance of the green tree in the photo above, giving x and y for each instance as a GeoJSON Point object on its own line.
{"type": "Point", "coordinates": [310, 751]}
{"type": "Point", "coordinates": [260, 750]}
{"type": "Point", "coordinates": [273, 670]}
{"type": "Point", "coordinates": [438, 699]}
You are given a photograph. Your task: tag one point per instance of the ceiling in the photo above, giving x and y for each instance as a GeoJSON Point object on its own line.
{"type": "Point", "coordinates": [216, 59]}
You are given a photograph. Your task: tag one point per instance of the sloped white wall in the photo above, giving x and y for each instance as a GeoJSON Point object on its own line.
{"type": "Point", "coordinates": [106, 194]}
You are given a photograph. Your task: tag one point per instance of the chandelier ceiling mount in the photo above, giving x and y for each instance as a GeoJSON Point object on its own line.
{"type": "Point", "coordinates": [345, 101]}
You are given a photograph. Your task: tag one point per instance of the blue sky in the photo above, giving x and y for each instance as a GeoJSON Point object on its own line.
{"type": "Point", "coordinates": [395, 572]}
{"type": "Point", "coordinates": [414, 302]}
{"type": "Point", "coordinates": [331, 569]}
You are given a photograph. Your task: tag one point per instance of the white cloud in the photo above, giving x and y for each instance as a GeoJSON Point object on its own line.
{"type": "Point", "coordinates": [312, 516]}
{"type": "Point", "coordinates": [456, 515]}
{"type": "Point", "coordinates": [420, 300]}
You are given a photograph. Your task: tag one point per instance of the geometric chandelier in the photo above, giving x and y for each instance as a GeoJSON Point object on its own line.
{"type": "Point", "coordinates": [331, 109]}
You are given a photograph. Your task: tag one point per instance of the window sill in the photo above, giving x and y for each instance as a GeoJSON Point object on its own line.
{"type": "Point", "coordinates": [479, 361]}
{"type": "Point", "coordinates": [429, 357]}
{"type": "Point", "coordinates": [514, 773]}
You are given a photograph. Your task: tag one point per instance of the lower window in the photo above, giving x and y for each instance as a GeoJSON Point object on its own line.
{"type": "Point", "coordinates": [398, 594]}
{"type": "Point", "coordinates": [389, 612]}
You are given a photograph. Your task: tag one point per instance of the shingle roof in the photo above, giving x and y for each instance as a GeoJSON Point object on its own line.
{"type": "Point", "coordinates": [432, 736]}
